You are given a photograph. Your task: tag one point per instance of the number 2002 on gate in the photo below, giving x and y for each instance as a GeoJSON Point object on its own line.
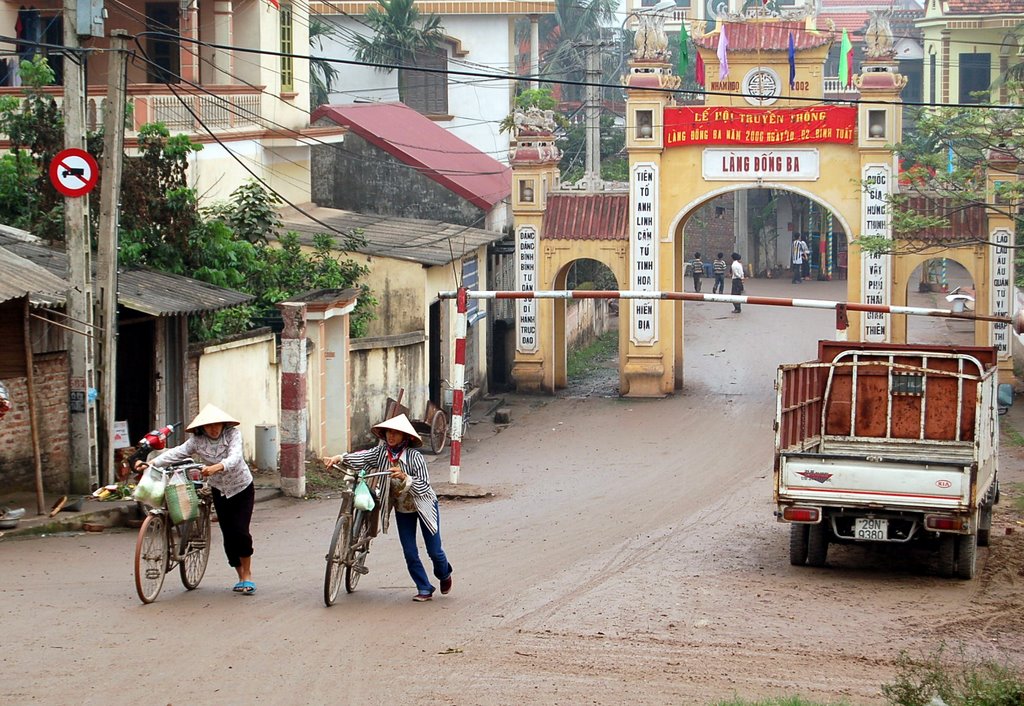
{"type": "Point", "coordinates": [871, 528]}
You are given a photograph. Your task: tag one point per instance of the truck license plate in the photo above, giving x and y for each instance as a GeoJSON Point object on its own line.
{"type": "Point", "coordinates": [871, 528]}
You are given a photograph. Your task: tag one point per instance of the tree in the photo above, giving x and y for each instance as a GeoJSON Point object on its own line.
{"type": "Point", "coordinates": [565, 39]}
{"type": "Point", "coordinates": [944, 163]}
{"type": "Point", "coordinates": [321, 71]}
{"type": "Point", "coordinates": [400, 33]}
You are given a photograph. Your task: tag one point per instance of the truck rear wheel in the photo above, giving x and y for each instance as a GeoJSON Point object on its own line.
{"type": "Point", "coordinates": [967, 556]}
{"type": "Point", "coordinates": [947, 556]}
{"type": "Point", "coordinates": [817, 544]}
{"type": "Point", "coordinates": [984, 525]}
{"type": "Point", "coordinates": [797, 544]}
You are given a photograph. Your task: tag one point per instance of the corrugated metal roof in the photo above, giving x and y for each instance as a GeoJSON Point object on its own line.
{"type": "Point", "coordinates": [766, 36]}
{"type": "Point", "coordinates": [422, 241]}
{"type": "Point", "coordinates": [419, 142]}
{"type": "Point", "coordinates": [148, 291]}
{"type": "Point", "coordinates": [587, 216]}
{"type": "Point", "coordinates": [20, 277]}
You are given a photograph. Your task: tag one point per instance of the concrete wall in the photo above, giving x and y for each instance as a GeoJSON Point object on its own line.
{"type": "Point", "coordinates": [585, 320]}
{"type": "Point", "coordinates": [361, 177]}
{"type": "Point", "coordinates": [241, 377]}
{"type": "Point", "coordinates": [17, 460]}
{"type": "Point", "coordinates": [379, 367]}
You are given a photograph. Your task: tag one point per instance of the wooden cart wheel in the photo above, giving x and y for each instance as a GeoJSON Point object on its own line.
{"type": "Point", "coordinates": [438, 431]}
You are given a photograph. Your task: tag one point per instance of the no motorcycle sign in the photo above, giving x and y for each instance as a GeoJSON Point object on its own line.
{"type": "Point", "coordinates": [74, 172]}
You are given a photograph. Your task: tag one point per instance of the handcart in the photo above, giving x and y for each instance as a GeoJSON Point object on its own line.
{"type": "Point", "coordinates": [433, 427]}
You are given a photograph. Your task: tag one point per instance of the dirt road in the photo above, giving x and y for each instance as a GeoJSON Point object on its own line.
{"type": "Point", "coordinates": [629, 554]}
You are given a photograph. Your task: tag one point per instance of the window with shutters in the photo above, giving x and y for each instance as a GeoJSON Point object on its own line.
{"type": "Point", "coordinates": [426, 92]}
{"type": "Point", "coordinates": [287, 47]}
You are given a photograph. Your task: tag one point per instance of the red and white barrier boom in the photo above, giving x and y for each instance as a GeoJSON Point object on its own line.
{"type": "Point", "coordinates": [463, 295]}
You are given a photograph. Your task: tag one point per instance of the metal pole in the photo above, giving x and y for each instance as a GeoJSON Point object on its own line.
{"type": "Point", "coordinates": [459, 386]}
{"type": "Point", "coordinates": [732, 299]}
{"type": "Point", "coordinates": [106, 268]}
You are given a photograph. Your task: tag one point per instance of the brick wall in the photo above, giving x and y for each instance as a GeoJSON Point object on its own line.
{"type": "Point", "coordinates": [711, 230]}
{"type": "Point", "coordinates": [17, 461]}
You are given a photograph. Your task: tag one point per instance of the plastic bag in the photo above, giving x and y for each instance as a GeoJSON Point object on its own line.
{"type": "Point", "coordinates": [182, 499]}
{"type": "Point", "coordinates": [151, 487]}
{"type": "Point", "coordinates": [363, 498]}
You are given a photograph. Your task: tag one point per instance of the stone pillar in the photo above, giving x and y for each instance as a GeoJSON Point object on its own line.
{"type": "Point", "coordinates": [995, 295]}
{"type": "Point", "coordinates": [293, 399]}
{"type": "Point", "coordinates": [534, 161]}
{"type": "Point", "coordinates": [654, 351]}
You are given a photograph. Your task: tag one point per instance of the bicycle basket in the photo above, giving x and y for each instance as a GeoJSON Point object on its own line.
{"type": "Point", "coordinates": [182, 499]}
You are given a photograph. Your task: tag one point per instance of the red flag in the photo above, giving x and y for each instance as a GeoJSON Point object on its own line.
{"type": "Point", "coordinates": [699, 70]}
{"type": "Point", "coordinates": [275, 3]}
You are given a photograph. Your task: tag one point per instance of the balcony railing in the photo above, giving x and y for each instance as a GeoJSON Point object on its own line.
{"type": "Point", "coordinates": [220, 108]}
{"type": "Point", "coordinates": [832, 84]}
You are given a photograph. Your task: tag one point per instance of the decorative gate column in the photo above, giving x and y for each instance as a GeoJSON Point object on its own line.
{"type": "Point", "coordinates": [534, 162]}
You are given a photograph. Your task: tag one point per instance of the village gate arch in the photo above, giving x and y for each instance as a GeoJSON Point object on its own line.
{"type": "Point", "coordinates": [753, 130]}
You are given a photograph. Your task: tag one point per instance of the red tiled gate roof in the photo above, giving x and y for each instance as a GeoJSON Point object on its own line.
{"type": "Point", "coordinates": [587, 217]}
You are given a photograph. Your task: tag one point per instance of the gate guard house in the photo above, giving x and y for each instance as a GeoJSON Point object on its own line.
{"type": "Point", "coordinates": [756, 129]}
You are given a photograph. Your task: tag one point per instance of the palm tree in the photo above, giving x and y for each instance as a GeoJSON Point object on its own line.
{"type": "Point", "coordinates": [565, 36]}
{"type": "Point", "coordinates": [321, 71]}
{"type": "Point", "coordinates": [400, 34]}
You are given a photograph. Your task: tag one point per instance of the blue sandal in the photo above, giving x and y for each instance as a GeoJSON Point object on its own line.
{"type": "Point", "coordinates": [248, 588]}
{"type": "Point", "coordinates": [239, 587]}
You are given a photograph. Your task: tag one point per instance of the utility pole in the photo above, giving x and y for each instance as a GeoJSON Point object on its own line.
{"type": "Point", "coordinates": [106, 254]}
{"type": "Point", "coordinates": [76, 240]}
{"type": "Point", "coordinates": [592, 172]}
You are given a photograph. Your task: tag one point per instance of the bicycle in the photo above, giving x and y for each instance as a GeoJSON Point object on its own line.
{"type": "Point", "coordinates": [162, 545]}
{"type": "Point", "coordinates": [353, 530]}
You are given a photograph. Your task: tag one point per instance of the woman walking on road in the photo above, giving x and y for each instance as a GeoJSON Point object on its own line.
{"type": "Point", "coordinates": [414, 499]}
{"type": "Point", "coordinates": [216, 442]}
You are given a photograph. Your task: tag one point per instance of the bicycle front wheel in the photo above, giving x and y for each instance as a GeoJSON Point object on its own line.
{"type": "Point", "coordinates": [151, 557]}
{"type": "Point", "coordinates": [335, 557]}
{"type": "Point", "coordinates": [361, 547]}
{"type": "Point", "coordinates": [195, 549]}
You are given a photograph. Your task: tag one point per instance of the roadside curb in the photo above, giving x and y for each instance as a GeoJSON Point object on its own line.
{"type": "Point", "coordinates": [109, 515]}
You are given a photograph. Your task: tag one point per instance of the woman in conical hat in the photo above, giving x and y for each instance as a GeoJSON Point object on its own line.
{"type": "Point", "coordinates": [415, 501]}
{"type": "Point", "coordinates": [217, 443]}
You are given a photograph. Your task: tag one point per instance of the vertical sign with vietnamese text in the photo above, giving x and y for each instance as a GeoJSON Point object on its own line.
{"type": "Point", "coordinates": [526, 309]}
{"type": "Point", "coordinates": [643, 250]}
{"type": "Point", "coordinates": [875, 280]}
{"type": "Point", "coordinates": [1002, 275]}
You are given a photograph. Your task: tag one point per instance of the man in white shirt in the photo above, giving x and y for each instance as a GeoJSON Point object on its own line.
{"type": "Point", "coordinates": [737, 280]}
{"type": "Point", "coordinates": [800, 253]}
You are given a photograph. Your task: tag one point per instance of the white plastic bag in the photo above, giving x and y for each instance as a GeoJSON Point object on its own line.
{"type": "Point", "coordinates": [151, 487]}
{"type": "Point", "coordinates": [363, 498]}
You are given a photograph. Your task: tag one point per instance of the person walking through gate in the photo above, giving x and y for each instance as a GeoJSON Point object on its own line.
{"type": "Point", "coordinates": [414, 499]}
{"type": "Point", "coordinates": [799, 254]}
{"type": "Point", "coordinates": [718, 267]}
{"type": "Point", "coordinates": [737, 281]}
{"type": "Point", "coordinates": [696, 271]}
{"type": "Point", "coordinates": [217, 442]}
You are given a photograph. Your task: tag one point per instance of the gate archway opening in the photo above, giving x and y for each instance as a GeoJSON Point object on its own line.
{"type": "Point", "coordinates": [928, 286]}
{"type": "Point", "coordinates": [579, 323]}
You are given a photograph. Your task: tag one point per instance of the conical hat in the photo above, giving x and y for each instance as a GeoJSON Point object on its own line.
{"type": "Point", "coordinates": [400, 423]}
{"type": "Point", "coordinates": [212, 415]}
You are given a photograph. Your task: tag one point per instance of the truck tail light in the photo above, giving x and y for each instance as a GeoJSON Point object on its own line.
{"type": "Point", "coordinates": [945, 522]}
{"type": "Point", "coordinates": [801, 514]}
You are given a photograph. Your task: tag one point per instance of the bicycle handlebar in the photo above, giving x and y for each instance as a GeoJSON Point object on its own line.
{"type": "Point", "coordinates": [346, 469]}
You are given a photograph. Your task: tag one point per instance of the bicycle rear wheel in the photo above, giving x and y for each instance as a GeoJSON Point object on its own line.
{"type": "Point", "coordinates": [195, 548]}
{"type": "Point", "coordinates": [361, 544]}
{"type": "Point", "coordinates": [336, 555]}
{"type": "Point", "coordinates": [151, 550]}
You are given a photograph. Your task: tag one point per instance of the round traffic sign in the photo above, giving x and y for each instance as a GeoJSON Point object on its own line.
{"type": "Point", "coordinates": [74, 172]}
